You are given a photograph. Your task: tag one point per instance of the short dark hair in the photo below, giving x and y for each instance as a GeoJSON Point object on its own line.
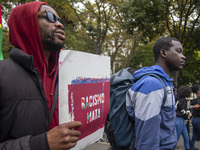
{"type": "Point", "coordinates": [162, 43]}
{"type": "Point", "coordinates": [195, 88]}
{"type": "Point", "coordinates": [184, 91]}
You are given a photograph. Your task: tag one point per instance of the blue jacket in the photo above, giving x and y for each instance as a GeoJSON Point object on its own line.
{"type": "Point", "coordinates": [155, 124]}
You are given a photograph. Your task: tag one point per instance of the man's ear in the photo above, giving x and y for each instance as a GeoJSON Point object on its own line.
{"type": "Point", "coordinates": [163, 53]}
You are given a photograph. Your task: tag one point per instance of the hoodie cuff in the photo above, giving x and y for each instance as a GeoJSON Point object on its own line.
{"type": "Point", "coordinates": [39, 142]}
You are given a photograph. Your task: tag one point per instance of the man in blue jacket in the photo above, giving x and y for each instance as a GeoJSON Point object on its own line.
{"type": "Point", "coordinates": [155, 124]}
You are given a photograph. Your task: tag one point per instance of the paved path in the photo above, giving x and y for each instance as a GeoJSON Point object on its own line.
{"type": "Point", "coordinates": [105, 145]}
{"type": "Point", "coordinates": [180, 145]}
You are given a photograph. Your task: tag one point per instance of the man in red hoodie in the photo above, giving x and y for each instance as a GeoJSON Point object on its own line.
{"type": "Point", "coordinates": [28, 79]}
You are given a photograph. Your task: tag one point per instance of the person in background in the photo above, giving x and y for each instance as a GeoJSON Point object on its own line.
{"type": "Point", "coordinates": [182, 113]}
{"type": "Point", "coordinates": [195, 105]}
{"type": "Point", "coordinates": [155, 125]}
{"type": "Point", "coordinates": [28, 79]}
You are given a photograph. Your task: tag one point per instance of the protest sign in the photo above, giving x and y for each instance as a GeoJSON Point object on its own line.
{"type": "Point", "coordinates": [84, 93]}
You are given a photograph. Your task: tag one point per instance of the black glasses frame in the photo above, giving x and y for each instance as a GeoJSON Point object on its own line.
{"type": "Point", "coordinates": [51, 16]}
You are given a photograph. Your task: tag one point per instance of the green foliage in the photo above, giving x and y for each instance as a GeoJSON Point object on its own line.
{"type": "Point", "coordinates": [146, 16]}
{"type": "Point", "coordinates": [125, 30]}
{"type": "Point", "coordinates": [146, 53]}
{"type": "Point", "coordinates": [6, 46]}
{"type": "Point", "coordinates": [142, 56]}
{"type": "Point", "coordinates": [190, 72]}
{"type": "Point", "coordinates": [179, 19]}
{"type": "Point", "coordinates": [78, 40]}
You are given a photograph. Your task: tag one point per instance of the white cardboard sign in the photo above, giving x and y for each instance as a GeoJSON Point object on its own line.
{"type": "Point", "coordinates": [84, 93]}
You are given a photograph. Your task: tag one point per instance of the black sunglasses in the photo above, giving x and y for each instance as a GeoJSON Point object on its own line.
{"type": "Point", "coordinates": [51, 16]}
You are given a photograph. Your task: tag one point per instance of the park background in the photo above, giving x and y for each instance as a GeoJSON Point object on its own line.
{"type": "Point", "coordinates": [125, 30]}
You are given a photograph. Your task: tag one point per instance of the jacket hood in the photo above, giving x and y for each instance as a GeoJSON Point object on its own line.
{"type": "Point", "coordinates": [24, 34]}
{"type": "Point", "coordinates": [155, 69]}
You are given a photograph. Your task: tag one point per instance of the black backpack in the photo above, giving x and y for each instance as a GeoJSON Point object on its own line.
{"type": "Point", "coordinates": [119, 127]}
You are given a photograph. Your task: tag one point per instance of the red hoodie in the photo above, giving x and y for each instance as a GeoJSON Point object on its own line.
{"type": "Point", "coordinates": [25, 35]}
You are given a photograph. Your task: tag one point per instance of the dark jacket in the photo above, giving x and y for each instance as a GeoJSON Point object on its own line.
{"type": "Point", "coordinates": [23, 106]}
{"type": "Point", "coordinates": [181, 110]}
{"type": "Point", "coordinates": [195, 112]}
{"type": "Point", "coordinates": [27, 84]}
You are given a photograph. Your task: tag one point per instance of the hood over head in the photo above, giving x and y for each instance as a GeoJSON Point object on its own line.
{"type": "Point", "coordinates": [155, 69]}
{"type": "Point", "coordinates": [24, 34]}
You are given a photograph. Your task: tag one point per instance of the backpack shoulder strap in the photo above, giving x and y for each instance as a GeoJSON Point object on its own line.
{"type": "Point", "coordinates": [164, 87]}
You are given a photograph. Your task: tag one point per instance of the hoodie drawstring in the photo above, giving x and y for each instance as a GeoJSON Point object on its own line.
{"type": "Point", "coordinates": [44, 78]}
{"type": "Point", "coordinates": [54, 82]}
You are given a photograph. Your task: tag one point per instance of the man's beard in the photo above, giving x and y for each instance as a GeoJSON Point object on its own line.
{"type": "Point", "coordinates": [51, 44]}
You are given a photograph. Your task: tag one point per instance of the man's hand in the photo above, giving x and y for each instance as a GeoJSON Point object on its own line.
{"type": "Point", "coordinates": [196, 106]}
{"type": "Point", "coordinates": [64, 137]}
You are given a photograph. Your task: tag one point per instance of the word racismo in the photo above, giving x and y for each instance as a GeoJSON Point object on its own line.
{"type": "Point", "coordinates": [92, 100]}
